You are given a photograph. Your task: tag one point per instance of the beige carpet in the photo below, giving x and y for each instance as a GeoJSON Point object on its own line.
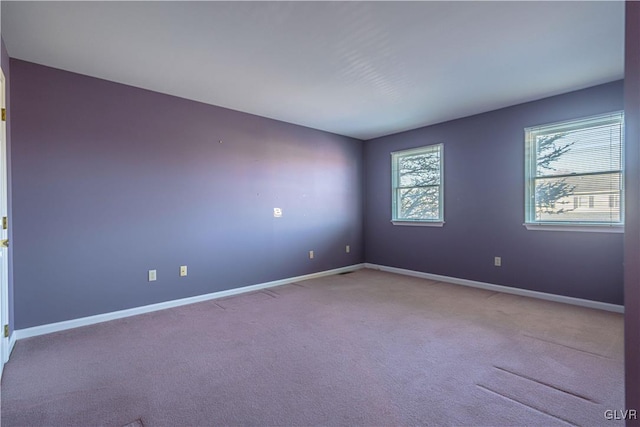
{"type": "Point", "coordinates": [366, 348]}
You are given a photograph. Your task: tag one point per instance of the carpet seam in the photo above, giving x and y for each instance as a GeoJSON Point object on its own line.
{"type": "Point", "coordinates": [547, 385]}
{"type": "Point", "coordinates": [567, 346]}
{"type": "Point", "coordinates": [270, 293]}
{"type": "Point", "coordinates": [524, 404]}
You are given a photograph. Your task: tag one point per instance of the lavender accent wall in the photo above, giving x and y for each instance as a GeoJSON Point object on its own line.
{"type": "Point", "coordinates": [6, 69]}
{"type": "Point", "coordinates": [484, 206]}
{"type": "Point", "coordinates": [110, 181]}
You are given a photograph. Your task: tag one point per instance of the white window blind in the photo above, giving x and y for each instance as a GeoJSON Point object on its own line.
{"type": "Point", "coordinates": [574, 172]}
{"type": "Point", "coordinates": [417, 181]}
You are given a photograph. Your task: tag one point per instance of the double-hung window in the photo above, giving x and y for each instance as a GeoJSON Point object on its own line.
{"type": "Point", "coordinates": [417, 186]}
{"type": "Point", "coordinates": [574, 174]}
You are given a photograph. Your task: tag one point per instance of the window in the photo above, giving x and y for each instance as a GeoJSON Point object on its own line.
{"type": "Point", "coordinates": [417, 185]}
{"type": "Point", "coordinates": [573, 161]}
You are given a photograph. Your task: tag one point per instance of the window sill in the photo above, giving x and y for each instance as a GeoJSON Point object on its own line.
{"type": "Point", "coordinates": [596, 228]}
{"type": "Point", "coordinates": [419, 223]}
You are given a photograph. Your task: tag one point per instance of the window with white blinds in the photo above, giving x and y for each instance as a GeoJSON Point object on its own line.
{"type": "Point", "coordinates": [574, 172]}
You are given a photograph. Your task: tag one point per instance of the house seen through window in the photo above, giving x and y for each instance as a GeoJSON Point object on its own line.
{"type": "Point", "coordinates": [574, 172]}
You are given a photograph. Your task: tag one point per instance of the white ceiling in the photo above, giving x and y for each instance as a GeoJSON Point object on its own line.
{"type": "Point", "coordinates": [362, 69]}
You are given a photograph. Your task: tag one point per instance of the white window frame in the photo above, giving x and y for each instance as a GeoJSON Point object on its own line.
{"type": "Point", "coordinates": [395, 178]}
{"type": "Point", "coordinates": [531, 174]}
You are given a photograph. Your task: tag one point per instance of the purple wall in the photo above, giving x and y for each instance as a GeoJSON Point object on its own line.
{"type": "Point", "coordinates": [484, 206]}
{"type": "Point", "coordinates": [110, 181]}
{"type": "Point", "coordinates": [6, 69]}
{"type": "Point", "coordinates": [632, 231]}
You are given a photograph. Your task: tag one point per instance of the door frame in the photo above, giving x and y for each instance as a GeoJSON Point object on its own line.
{"type": "Point", "coordinates": [4, 259]}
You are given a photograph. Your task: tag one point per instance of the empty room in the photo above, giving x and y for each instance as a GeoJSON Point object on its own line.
{"type": "Point", "coordinates": [303, 213]}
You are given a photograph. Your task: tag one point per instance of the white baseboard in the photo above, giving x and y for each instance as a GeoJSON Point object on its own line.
{"type": "Point", "coordinates": [12, 343]}
{"type": "Point", "coordinates": [499, 288]}
{"type": "Point", "coordinates": [99, 318]}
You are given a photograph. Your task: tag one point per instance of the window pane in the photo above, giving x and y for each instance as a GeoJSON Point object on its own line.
{"type": "Point", "coordinates": [594, 149]}
{"type": "Point", "coordinates": [417, 184]}
{"type": "Point", "coordinates": [419, 169]}
{"type": "Point", "coordinates": [419, 203]}
{"type": "Point", "coordinates": [574, 171]}
{"type": "Point", "coordinates": [588, 198]}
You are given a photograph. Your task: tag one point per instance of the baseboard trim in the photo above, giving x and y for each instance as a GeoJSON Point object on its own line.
{"type": "Point", "coordinates": [12, 343]}
{"type": "Point", "coordinates": [99, 318]}
{"type": "Point", "coordinates": [105, 317]}
{"type": "Point", "coordinates": [500, 288]}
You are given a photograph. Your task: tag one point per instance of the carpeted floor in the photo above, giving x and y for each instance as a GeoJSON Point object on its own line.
{"type": "Point", "coordinates": [366, 348]}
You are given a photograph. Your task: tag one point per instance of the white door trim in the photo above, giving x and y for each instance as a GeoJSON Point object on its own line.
{"type": "Point", "coordinates": [4, 252]}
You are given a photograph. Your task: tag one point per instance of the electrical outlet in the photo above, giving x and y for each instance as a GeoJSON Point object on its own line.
{"type": "Point", "coordinates": [277, 213]}
{"type": "Point", "coordinates": [347, 249]}
{"type": "Point", "coordinates": [310, 254]}
{"type": "Point", "coordinates": [497, 261]}
{"type": "Point", "coordinates": [152, 275]}
{"type": "Point", "coordinates": [183, 270]}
